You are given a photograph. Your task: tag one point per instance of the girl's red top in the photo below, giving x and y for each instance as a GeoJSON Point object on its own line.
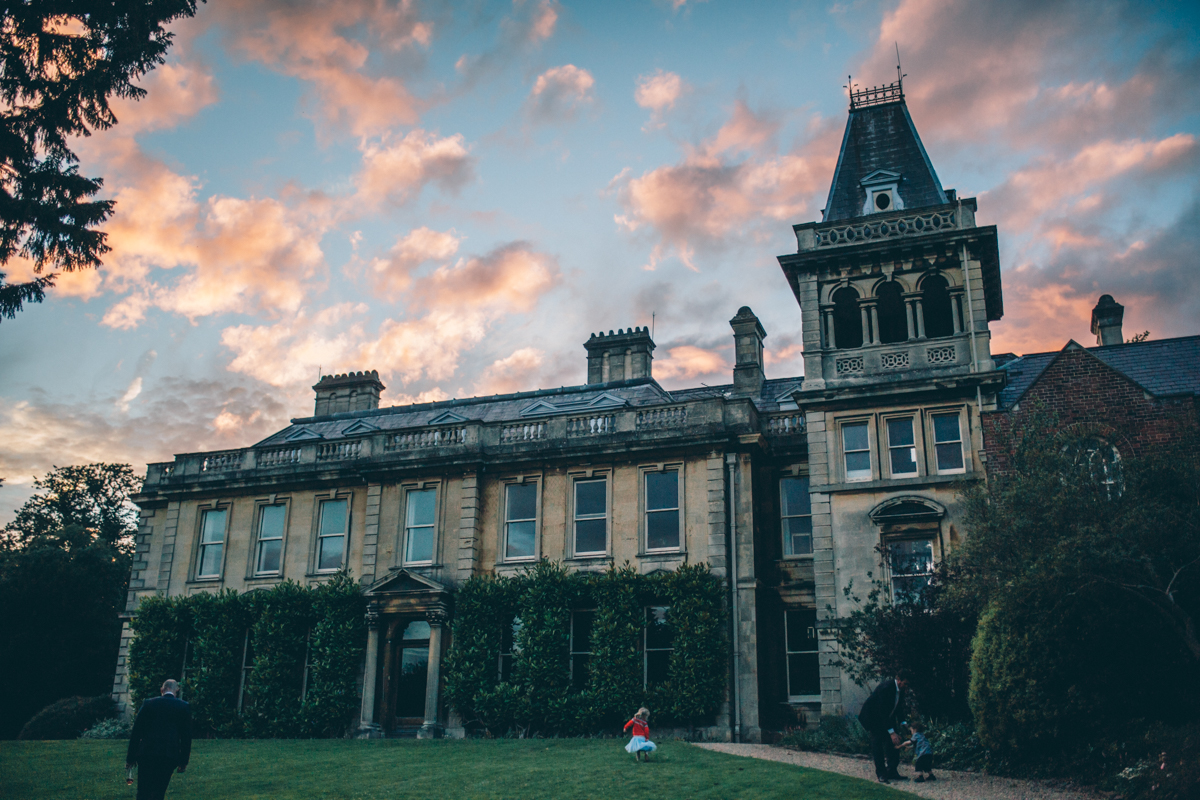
{"type": "Point", "coordinates": [640, 728]}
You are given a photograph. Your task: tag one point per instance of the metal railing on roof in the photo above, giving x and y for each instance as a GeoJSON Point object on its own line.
{"type": "Point", "coordinates": [877, 95]}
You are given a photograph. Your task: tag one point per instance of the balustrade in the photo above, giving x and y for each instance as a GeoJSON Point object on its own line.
{"type": "Point", "coordinates": [524, 432]}
{"type": "Point", "coordinates": [672, 417]}
{"type": "Point", "coordinates": [339, 451]}
{"type": "Point", "coordinates": [431, 437]}
{"type": "Point", "coordinates": [221, 462]}
{"type": "Point", "coordinates": [786, 424]}
{"type": "Point", "coordinates": [591, 426]}
{"type": "Point", "coordinates": [278, 457]}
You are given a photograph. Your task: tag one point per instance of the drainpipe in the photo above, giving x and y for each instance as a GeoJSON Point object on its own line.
{"type": "Point", "coordinates": [731, 462]}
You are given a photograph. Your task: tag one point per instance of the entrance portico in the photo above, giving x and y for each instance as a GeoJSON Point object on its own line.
{"type": "Point", "coordinates": [406, 617]}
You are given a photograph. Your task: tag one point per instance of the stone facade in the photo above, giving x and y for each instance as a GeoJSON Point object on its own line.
{"type": "Point", "coordinates": [792, 490]}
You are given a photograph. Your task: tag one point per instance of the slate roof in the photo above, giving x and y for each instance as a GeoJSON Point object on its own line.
{"type": "Point", "coordinates": [515, 407]}
{"type": "Point", "coordinates": [881, 137]}
{"type": "Point", "coordinates": [1162, 367]}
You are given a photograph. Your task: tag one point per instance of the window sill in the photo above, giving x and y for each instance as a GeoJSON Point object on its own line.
{"type": "Point", "coordinates": [804, 698]}
{"type": "Point", "coordinates": [801, 558]}
{"type": "Point", "coordinates": [664, 554]}
{"type": "Point", "coordinates": [209, 579]}
{"type": "Point", "coordinates": [891, 483]}
{"type": "Point", "coordinates": [274, 576]}
{"type": "Point", "coordinates": [589, 557]}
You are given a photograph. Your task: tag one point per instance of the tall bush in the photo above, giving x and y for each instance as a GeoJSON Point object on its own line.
{"type": "Point", "coordinates": [697, 669]}
{"type": "Point", "coordinates": [220, 623]}
{"type": "Point", "coordinates": [616, 660]}
{"type": "Point", "coordinates": [336, 644]}
{"type": "Point", "coordinates": [280, 640]}
{"type": "Point", "coordinates": [161, 631]}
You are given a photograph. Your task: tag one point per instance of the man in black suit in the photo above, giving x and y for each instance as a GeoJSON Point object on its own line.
{"type": "Point", "coordinates": [160, 742]}
{"type": "Point", "coordinates": [882, 715]}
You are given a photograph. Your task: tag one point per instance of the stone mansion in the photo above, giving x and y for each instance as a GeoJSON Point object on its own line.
{"type": "Point", "coordinates": [788, 488]}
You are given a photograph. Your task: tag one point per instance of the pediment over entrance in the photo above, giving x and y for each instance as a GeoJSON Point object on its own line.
{"type": "Point", "coordinates": [407, 583]}
{"type": "Point", "coordinates": [907, 508]}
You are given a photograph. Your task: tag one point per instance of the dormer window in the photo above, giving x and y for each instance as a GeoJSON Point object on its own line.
{"type": "Point", "coordinates": [882, 190]}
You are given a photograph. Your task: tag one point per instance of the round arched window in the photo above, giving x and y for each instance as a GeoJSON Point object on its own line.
{"type": "Point", "coordinates": [1100, 461]}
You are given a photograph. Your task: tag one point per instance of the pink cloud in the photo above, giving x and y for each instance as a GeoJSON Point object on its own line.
{"type": "Point", "coordinates": [512, 373]}
{"type": "Point", "coordinates": [659, 91]}
{"type": "Point", "coordinates": [545, 17]}
{"type": "Point", "coordinates": [559, 92]}
{"type": "Point", "coordinates": [395, 170]}
{"type": "Point", "coordinates": [710, 197]}
{"type": "Point", "coordinates": [393, 274]}
{"type": "Point", "coordinates": [313, 41]}
{"type": "Point", "coordinates": [174, 92]}
{"type": "Point", "coordinates": [509, 278]}
{"type": "Point", "coordinates": [689, 362]}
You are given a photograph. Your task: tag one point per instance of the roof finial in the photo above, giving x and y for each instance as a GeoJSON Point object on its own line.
{"type": "Point", "coordinates": [849, 87]}
{"type": "Point", "coordinates": [899, 75]}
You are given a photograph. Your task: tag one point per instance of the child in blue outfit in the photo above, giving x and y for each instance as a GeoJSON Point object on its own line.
{"type": "Point", "coordinates": [922, 754]}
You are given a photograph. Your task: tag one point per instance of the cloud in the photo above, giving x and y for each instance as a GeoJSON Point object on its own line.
{"type": "Point", "coordinates": [510, 278]}
{"type": "Point", "coordinates": [322, 43]}
{"type": "Point", "coordinates": [453, 309]}
{"type": "Point", "coordinates": [174, 92]}
{"type": "Point", "coordinates": [689, 362]}
{"type": "Point", "coordinates": [559, 92]}
{"type": "Point", "coordinates": [395, 170]}
{"type": "Point", "coordinates": [393, 274]}
{"type": "Point", "coordinates": [658, 92]}
{"type": "Point", "coordinates": [512, 373]}
{"type": "Point", "coordinates": [711, 196]}
{"type": "Point", "coordinates": [528, 27]}
{"type": "Point", "coordinates": [170, 415]}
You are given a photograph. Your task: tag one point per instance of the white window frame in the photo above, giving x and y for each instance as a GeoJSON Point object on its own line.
{"type": "Point", "coordinates": [858, 475]}
{"type": "Point", "coordinates": [503, 556]}
{"type": "Point", "coordinates": [576, 517]}
{"type": "Point", "coordinates": [788, 652]}
{"type": "Point", "coordinates": [409, 527]}
{"type": "Point", "coordinates": [916, 453]}
{"type": "Point", "coordinates": [784, 517]}
{"type": "Point", "coordinates": [662, 469]}
{"type": "Point", "coordinates": [962, 440]}
{"type": "Point", "coordinates": [256, 570]}
{"type": "Point", "coordinates": [317, 537]}
{"type": "Point", "coordinates": [201, 546]}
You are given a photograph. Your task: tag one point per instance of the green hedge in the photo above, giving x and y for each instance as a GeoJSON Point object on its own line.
{"type": "Point", "coordinates": [201, 640]}
{"type": "Point", "coordinates": [539, 698]}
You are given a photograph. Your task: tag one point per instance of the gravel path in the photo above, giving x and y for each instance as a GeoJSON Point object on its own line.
{"type": "Point", "coordinates": [949, 785]}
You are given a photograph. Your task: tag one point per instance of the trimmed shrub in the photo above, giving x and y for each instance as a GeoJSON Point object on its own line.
{"type": "Point", "coordinates": [69, 717]}
{"type": "Point", "coordinates": [161, 633]}
{"type": "Point", "coordinates": [335, 655]}
{"type": "Point", "coordinates": [834, 734]}
{"type": "Point", "coordinates": [272, 696]}
{"type": "Point", "coordinates": [115, 728]}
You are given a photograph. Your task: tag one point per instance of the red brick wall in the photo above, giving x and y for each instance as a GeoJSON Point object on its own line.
{"type": "Point", "coordinates": [1081, 390]}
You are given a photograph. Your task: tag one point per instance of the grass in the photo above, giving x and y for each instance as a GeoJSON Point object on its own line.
{"type": "Point", "coordinates": [370, 770]}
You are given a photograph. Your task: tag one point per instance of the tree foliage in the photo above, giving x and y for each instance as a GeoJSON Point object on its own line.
{"type": "Point", "coordinates": [77, 506]}
{"type": "Point", "coordinates": [62, 63]}
{"type": "Point", "coordinates": [1091, 584]}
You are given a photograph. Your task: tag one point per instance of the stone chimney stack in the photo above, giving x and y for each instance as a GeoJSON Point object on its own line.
{"type": "Point", "coordinates": [748, 335]}
{"type": "Point", "coordinates": [354, 391]}
{"type": "Point", "coordinates": [1106, 321]}
{"type": "Point", "coordinates": [619, 356]}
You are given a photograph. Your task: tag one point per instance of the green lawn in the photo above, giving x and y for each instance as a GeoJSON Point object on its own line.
{"type": "Point", "coordinates": [390, 770]}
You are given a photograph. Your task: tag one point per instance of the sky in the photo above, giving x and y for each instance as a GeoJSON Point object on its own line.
{"type": "Point", "coordinates": [459, 194]}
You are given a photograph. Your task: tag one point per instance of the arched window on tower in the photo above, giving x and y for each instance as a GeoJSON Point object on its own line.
{"type": "Point", "coordinates": [935, 301]}
{"type": "Point", "coordinates": [847, 319]}
{"type": "Point", "coordinates": [893, 327]}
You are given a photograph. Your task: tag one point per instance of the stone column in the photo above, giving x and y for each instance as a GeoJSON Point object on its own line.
{"type": "Point", "coordinates": [866, 324]}
{"type": "Point", "coordinates": [920, 319]}
{"type": "Point", "coordinates": [954, 300]}
{"type": "Point", "coordinates": [368, 728]}
{"type": "Point", "coordinates": [432, 729]}
{"type": "Point", "coordinates": [875, 323]}
{"type": "Point", "coordinates": [827, 327]}
{"type": "Point", "coordinates": [910, 302]}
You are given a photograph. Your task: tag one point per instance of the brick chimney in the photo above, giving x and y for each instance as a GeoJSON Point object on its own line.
{"type": "Point", "coordinates": [748, 335]}
{"type": "Point", "coordinates": [354, 391]}
{"type": "Point", "coordinates": [1106, 321]}
{"type": "Point", "coordinates": [619, 356]}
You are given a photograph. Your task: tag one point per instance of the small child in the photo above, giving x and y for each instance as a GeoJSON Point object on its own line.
{"type": "Point", "coordinates": [640, 744]}
{"type": "Point", "coordinates": [922, 754]}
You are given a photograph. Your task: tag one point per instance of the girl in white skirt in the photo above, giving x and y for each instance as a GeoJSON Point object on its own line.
{"type": "Point", "coordinates": [640, 743]}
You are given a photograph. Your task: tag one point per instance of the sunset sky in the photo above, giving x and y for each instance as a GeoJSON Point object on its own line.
{"type": "Point", "coordinates": [457, 195]}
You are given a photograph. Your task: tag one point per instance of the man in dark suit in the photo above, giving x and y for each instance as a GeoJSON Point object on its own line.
{"type": "Point", "coordinates": [882, 715]}
{"type": "Point", "coordinates": [160, 742]}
